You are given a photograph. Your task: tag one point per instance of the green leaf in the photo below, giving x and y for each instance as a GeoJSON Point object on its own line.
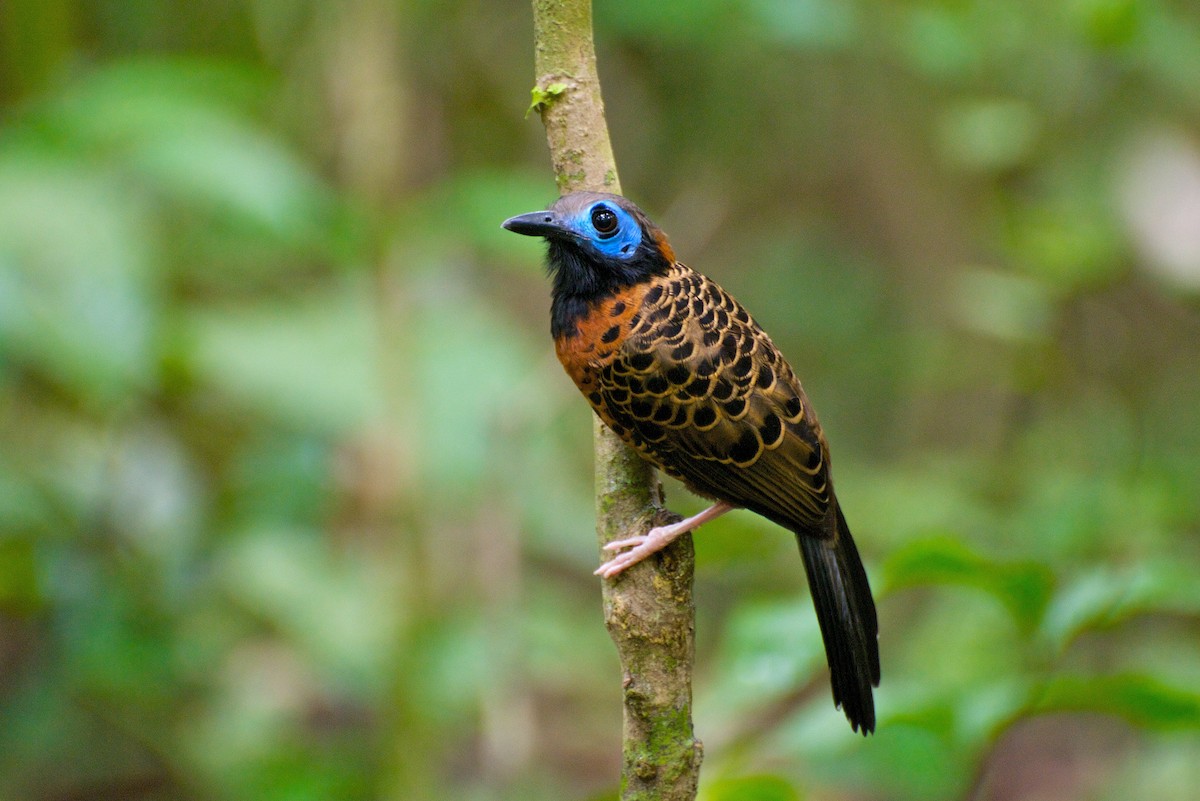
{"type": "Point", "coordinates": [184, 135]}
{"type": "Point", "coordinates": [1002, 305]}
{"type": "Point", "coordinates": [1107, 23]}
{"type": "Point", "coordinates": [78, 298]}
{"type": "Point", "coordinates": [1066, 237]}
{"type": "Point", "coordinates": [750, 788]}
{"type": "Point", "coordinates": [915, 760]}
{"type": "Point", "coordinates": [1142, 700]}
{"type": "Point", "coordinates": [808, 24]}
{"type": "Point", "coordinates": [470, 369]}
{"type": "Point", "coordinates": [1105, 596]}
{"type": "Point", "coordinates": [940, 42]}
{"type": "Point", "coordinates": [310, 361]}
{"type": "Point", "coordinates": [468, 209]}
{"type": "Point", "coordinates": [336, 607]}
{"type": "Point", "coordinates": [769, 648]}
{"type": "Point", "coordinates": [19, 590]}
{"type": "Point", "coordinates": [1023, 587]}
{"type": "Point", "coordinates": [988, 133]}
{"type": "Point", "coordinates": [540, 98]}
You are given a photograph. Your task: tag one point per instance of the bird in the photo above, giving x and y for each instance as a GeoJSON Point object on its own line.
{"type": "Point", "coordinates": [682, 373]}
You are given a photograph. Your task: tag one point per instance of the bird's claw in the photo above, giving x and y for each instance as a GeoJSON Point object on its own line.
{"type": "Point", "coordinates": [654, 540]}
{"type": "Point", "coordinates": [639, 549]}
{"type": "Point", "coordinates": [617, 545]}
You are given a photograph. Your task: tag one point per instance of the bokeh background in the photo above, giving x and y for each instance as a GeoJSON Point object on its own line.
{"type": "Point", "coordinates": [295, 500]}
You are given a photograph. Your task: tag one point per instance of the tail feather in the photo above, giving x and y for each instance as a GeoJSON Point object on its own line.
{"type": "Point", "coordinates": [846, 613]}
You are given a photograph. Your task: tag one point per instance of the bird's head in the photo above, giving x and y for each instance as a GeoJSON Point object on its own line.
{"type": "Point", "coordinates": [598, 244]}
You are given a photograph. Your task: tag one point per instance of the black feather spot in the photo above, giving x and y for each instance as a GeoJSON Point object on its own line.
{"type": "Point", "coordinates": [746, 449]}
{"type": "Point", "coordinates": [671, 330]}
{"type": "Point", "coordinates": [618, 396]}
{"type": "Point", "coordinates": [766, 377]}
{"type": "Point", "coordinates": [663, 413]}
{"type": "Point", "coordinates": [772, 430]}
{"type": "Point", "coordinates": [652, 432]}
{"type": "Point", "coordinates": [657, 385]}
{"type": "Point", "coordinates": [681, 305]}
{"type": "Point", "coordinates": [742, 316]}
{"type": "Point", "coordinates": [705, 416]}
{"type": "Point", "coordinates": [734, 407]}
{"type": "Point", "coordinates": [611, 334]}
{"type": "Point", "coordinates": [641, 408]}
{"type": "Point", "coordinates": [769, 355]}
{"type": "Point", "coordinates": [794, 407]}
{"type": "Point", "coordinates": [641, 361]}
{"type": "Point", "coordinates": [684, 351]}
{"type": "Point", "coordinates": [596, 398]}
{"type": "Point", "coordinates": [697, 306]}
{"type": "Point", "coordinates": [679, 374]}
{"type": "Point", "coordinates": [723, 391]}
{"type": "Point", "coordinates": [706, 319]}
{"type": "Point", "coordinates": [727, 302]}
{"type": "Point", "coordinates": [659, 314]}
{"type": "Point", "coordinates": [636, 386]}
{"type": "Point", "coordinates": [722, 319]}
{"type": "Point", "coordinates": [617, 308]}
{"type": "Point", "coordinates": [681, 417]}
{"type": "Point", "coordinates": [698, 388]}
{"type": "Point", "coordinates": [814, 458]}
{"type": "Point", "coordinates": [742, 366]}
{"type": "Point", "coordinates": [618, 429]}
{"type": "Point", "coordinates": [705, 368]}
{"type": "Point", "coordinates": [653, 294]}
{"type": "Point", "coordinates": [729, 347]}
{"type": "Point", "coordinates": [710, 338]}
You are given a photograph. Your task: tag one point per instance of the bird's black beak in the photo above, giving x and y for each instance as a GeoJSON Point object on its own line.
{"type": "Point", "coordinates": [536, 223]}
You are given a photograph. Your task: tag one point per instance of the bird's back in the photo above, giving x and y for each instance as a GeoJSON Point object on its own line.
{"type": "Point", "coordinates": [682, 373]}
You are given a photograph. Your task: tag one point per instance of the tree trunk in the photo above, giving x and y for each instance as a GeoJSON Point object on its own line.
{"type": "Point", "coordinates": [648, 609]}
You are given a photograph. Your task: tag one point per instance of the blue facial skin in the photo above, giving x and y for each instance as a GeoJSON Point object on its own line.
{"type": "Point", "coordinates": [619, 244]}
{"type": "Point", "coordinates": [587, 264]}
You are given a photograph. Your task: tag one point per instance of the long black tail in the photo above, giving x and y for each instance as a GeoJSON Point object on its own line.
{"type": "Point", "coordinates": [846, 613]}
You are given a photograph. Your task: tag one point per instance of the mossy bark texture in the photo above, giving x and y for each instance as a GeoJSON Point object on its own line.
{"type": "Point", "coordinates": [648, 609]}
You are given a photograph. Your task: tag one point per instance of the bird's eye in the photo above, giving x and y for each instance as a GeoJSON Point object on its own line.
{"type": "Point", "coordinates": [604, 221]}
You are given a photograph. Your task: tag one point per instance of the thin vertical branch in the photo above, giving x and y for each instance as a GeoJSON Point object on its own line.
{"type": "Point", "coordinates": [648, 610]}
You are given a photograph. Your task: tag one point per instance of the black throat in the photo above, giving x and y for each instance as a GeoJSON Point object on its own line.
{"type": "Point", "coordinates": [581, 281]}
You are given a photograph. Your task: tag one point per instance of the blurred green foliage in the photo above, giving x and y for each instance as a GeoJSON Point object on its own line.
{"type": "Point", "coordinates": [295, 501]}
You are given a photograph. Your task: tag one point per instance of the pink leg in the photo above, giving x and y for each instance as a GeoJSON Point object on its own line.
{"type": "Point", "coordinates": [655, 540]}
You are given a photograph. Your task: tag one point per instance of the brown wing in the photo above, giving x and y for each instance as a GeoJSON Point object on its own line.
{"type": "Point", "coordinates": [702, 391]}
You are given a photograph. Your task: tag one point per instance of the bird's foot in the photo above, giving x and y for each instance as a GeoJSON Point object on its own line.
{"type": "Point", "coordinates": [639, 547]}
{"type": "Point", "coordinates": [654, 540]}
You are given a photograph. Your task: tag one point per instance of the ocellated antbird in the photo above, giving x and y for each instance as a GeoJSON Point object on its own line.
{"type": "Point", "coordinates": [682, 373]}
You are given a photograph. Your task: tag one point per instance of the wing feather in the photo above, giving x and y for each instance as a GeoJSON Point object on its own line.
{"type": "Point", "coordinates": [703, 392]}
